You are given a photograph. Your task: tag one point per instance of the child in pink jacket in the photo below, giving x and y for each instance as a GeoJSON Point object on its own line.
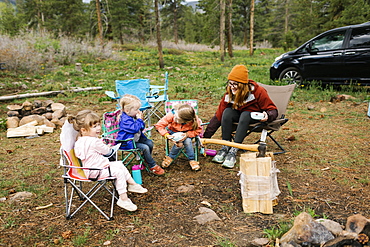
{"type": "Point", "coordinates": [90, 150]}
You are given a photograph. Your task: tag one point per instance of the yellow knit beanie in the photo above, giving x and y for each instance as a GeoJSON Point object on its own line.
{"type": "Point", "coordinates": [239, 73]}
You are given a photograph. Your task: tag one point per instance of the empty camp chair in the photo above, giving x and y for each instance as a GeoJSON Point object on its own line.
{"type": "Point", "coordinates": [110, 128]}
{"type": "Point", "coordinates": [137, 87]}
{"type": "Point", "coordinates": [157, 98]}
{"type": "Point", "coordinates": [76, 184]}
{"type": "Point", "coordinates": [280, 95]}
{"type": "Point", "coordinates": [169, 106]}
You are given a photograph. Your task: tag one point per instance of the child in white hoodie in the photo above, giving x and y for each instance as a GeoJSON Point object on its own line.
{"type": "Point", "coordinates": [90, 150]}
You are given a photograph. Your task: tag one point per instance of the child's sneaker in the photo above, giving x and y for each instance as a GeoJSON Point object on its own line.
{"type": "Point", "coordinates": [194, 165]}
{"type": "Point", "coordinates": [136, 188]}
{"type": "Point", "coordinates": [127, 204]}
{"type": "Point", "coordinates": [230, 160]}
{"type": "Point", "coordinates": [157, 170]}
{"type": "Point", "coordinates": [166, 161]}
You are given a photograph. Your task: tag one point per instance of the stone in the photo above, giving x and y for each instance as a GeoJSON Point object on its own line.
{"type": "Point", "coordinates": [334, 227]}
{"type": "Point", "coordinates": [48, 115]}
{"type": "Point", "coordinates": [206, 215]}
{"type": "Point", "coordinates": [185, 188]}
{"type": "Point", "coordinates": [356, 223]}
{"type": "Point", "coordinates": [58, 106]}
{"type": "Point", "coordinates": [27, 106]}
{"type": "Point", "coordinates": [49, 123]}
{"type": "Point", "coordinates": [58, 114]}
{"type": "Point", "coordinates": [47, 103]}
{"type": "Point", "coordinates": [20, 196]}
{"type": "Point", "coordinates": [39, 110]}
{"type": "Point", "coordinates": [37, 104]}
{"type": "Point", "coordinates": [14, 107]}
{"type": "Point", "coordinates": [13, 113]}
{"type": "Point", "coordinates": [28, 119]}
{"type": "Point", "coordinates": [260, 241]}
{"type": "Point", "coordinates": [12, 122]}
{"type": "Point", "coordinates": [306, 230]}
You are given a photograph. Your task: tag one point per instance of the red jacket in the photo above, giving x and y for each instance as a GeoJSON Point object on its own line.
{"type": "Point", "coordinates": [257, 101]}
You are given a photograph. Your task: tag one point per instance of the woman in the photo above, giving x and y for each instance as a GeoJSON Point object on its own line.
{"type": "Point", "coordinates": [242, 97]}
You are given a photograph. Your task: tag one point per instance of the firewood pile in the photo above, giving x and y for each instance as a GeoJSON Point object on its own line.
{"type": "Point", "coordinates": [36, 118]}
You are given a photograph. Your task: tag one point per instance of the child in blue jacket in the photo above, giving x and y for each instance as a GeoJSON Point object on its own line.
{"type": "Point", "coordinates": [132, 126]}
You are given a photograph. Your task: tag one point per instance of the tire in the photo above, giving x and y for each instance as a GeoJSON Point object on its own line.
{"type": "Point", "coordinates": [291, 75]}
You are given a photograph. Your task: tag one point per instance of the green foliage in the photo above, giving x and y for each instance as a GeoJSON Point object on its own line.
{"type": "Point", "coordinates": [278, 231]}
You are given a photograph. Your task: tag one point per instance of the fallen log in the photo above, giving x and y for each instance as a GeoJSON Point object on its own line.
{"type": "Point", "coordinates": [28, 95]}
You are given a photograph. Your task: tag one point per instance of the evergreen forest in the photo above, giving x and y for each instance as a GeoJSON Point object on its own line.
{"type": "Point", "coordinates": [276, 23]}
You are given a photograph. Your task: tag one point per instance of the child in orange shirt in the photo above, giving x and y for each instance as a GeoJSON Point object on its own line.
{"type": "Point", "coordinates": [182, 120]}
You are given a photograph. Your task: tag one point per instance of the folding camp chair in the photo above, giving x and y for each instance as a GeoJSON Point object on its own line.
{"type": "Point", "coordinates": [137, 87]}
{"type": "Point", "coordinates": [74, 178]}
{"type": "Point", "coordinates": [157, 98]}
{"type": "Point", "coordinates": [280, 95]}
{"type": "Point", "coordinates": [169, 107]}
{"type": "Point", "coordinates": [110, 128]}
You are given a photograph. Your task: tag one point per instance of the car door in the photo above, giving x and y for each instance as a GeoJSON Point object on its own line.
{"type": "Point", "coordinates": [357, 55]}
{"type": "Point", "coordinates": [325, 59]}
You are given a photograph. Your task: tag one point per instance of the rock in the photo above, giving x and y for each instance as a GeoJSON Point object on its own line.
{"type": "Point", "coordinates": [334, 227]}
{"type": "Point", "coordinates": [260, 241]}
{"type": "Point", "coordinates": [39, 110]}
{"type": "Point", "coordinates": [21, 196]}
{"type": "Point", "coordinates": [13, 113]}
{"type": "Point", "coordinates": [306, 230]}
{"type": "Point", "coordinates": [48, 115]}
{"type": "Point", "coordinates": [28, 119]}
{"type": "Point", "coordinates": [57, 122]}
{"type": "Point", "coordinates": [206, 215]}
{"type": "Point", "coordinates": [12, 122]}
{"type": "Point", "coordinates": [356, 223]}
{"type": "Point", "coordinates": [342, 241]}
{"type": "Point", "coordinates": [49, 124]}
{"type": "Point", "coordinates": [27, 106]}
{"type": "Point", "coordinates": [47, 103]}
{"type": "Point", "coordinates": [310, 107]}
{"type": "Point", "coordinates": [58, 106]}
{"type": "Point", "coordinates": [185, 188]}
{"type": "Point", "coordinates": [58, 114]}
{"type": "Point", "coordinates": [14, 107]}
{"type": "Point", "coordinates": [37, 104]}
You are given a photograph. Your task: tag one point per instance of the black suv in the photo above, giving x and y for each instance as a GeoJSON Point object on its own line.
{"type": "Point", "coordinates": [338, 56]}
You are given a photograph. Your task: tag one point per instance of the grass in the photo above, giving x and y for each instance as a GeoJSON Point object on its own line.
{"type": "Point", "coordinates": [192, 75]}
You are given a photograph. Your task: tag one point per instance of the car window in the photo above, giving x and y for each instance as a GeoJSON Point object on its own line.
{"type": "Point", "coordinates": [360, 37]}
{"type": "Point", "coordinates": [330, 41]}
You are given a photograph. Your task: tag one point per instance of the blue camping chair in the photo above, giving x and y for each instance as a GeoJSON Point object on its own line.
{"type": "Point", "coordinates": [157, 98]}
{"type": "Point", "coordinates": [137, 87]}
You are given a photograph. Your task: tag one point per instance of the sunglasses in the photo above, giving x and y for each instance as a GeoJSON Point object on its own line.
{"type": "Point", "coordinates": [233, 84]}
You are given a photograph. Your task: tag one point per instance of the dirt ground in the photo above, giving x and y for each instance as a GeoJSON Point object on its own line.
{"type": "Point", "coordinates": [314, 174]}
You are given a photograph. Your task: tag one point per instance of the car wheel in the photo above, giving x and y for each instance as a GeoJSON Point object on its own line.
{"type": "Point", "coordinates": [291, 75]}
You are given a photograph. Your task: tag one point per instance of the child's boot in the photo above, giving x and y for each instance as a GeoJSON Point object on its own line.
{"type": "Point", "coordinates": [166, 161]}
{"type": "Point", "coordinates": [157, 170]}
{"type": "Point", "coordinates": [194, 165]}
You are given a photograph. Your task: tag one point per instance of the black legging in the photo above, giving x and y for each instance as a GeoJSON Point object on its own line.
{"type": "Point", "coordinates": [230, 116]}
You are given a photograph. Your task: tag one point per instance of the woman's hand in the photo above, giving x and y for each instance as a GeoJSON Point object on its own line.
{"type": "Point", "coordinates": [266, 117]}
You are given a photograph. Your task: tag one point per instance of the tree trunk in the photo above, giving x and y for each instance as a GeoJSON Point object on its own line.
{"type": "Point", "coordinates": [286, 17]}
{"type": "Point", "coordinates": [251, 29]}
{"type": "Point", "coordinates": [100, 26]}
{"type": "Point", "coordinates": [175, 31]}
{"type": "Point", "coordinates": [230, 31]}
{"type": "Point", "coordinates": [159, 39]}
{"type": "Point", "coordinates": [222, 30]}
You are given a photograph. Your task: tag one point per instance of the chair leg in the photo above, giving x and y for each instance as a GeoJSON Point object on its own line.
{"type": "Point", "coordinates": [277, 143]}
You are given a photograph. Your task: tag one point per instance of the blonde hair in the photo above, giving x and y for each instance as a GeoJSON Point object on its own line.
{"type": "Point", "coordinates": [84, 119]}
{"type": "Point", "coordinates": [241, 94]}
{"type": "Point", "coordinates": [129, 102]}
{"type": "Point", "coordinates": [187, 114]}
